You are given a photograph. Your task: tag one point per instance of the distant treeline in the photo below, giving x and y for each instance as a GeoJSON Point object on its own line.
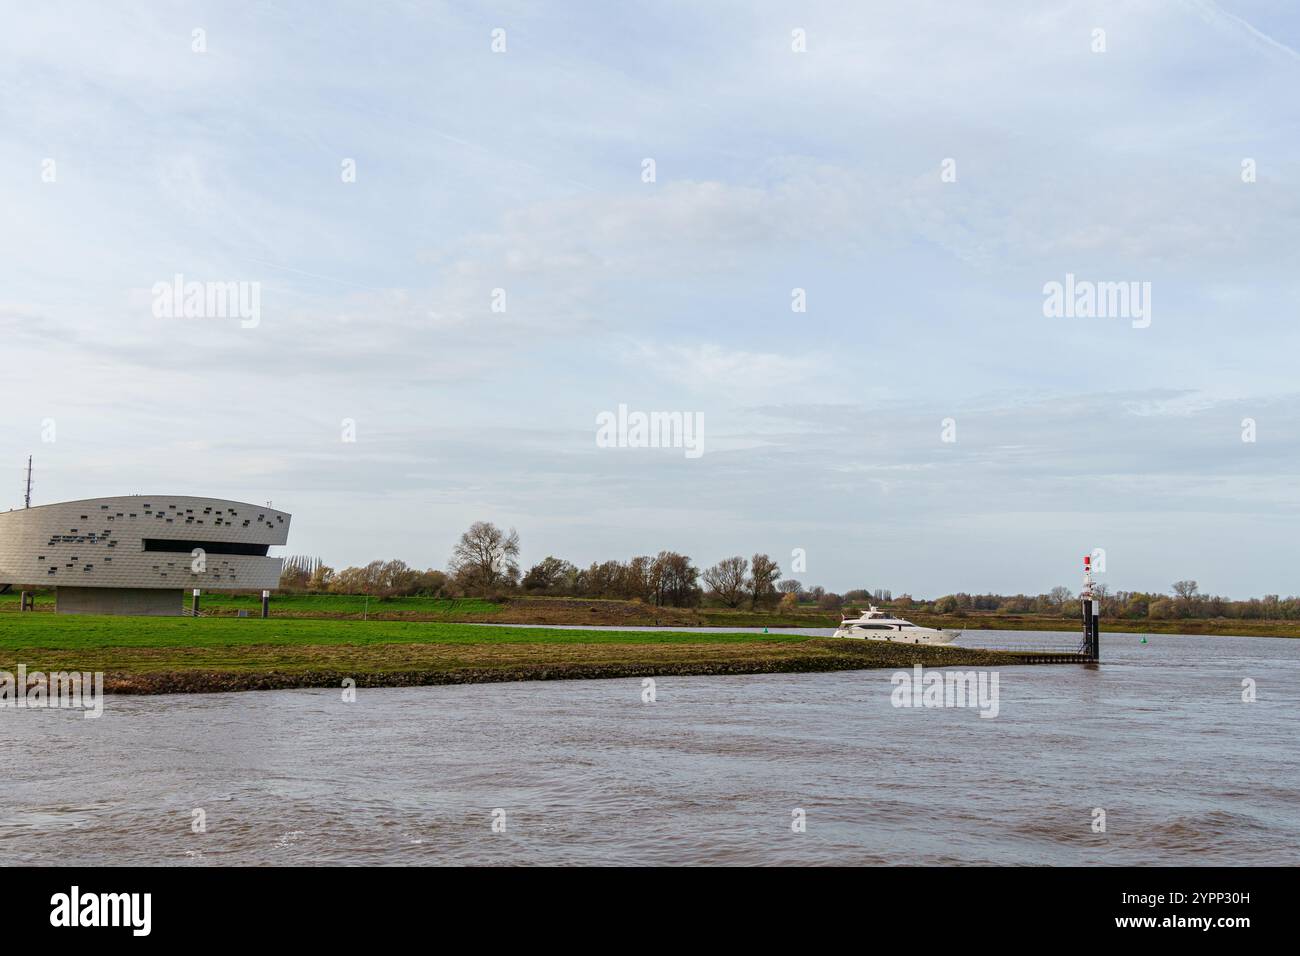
{"type": "Point", "coordinates": [1184, 600]}
{"type": "Point", "coordinates": [485, 563]}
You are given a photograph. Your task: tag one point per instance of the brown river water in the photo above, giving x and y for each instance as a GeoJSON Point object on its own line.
{"type": "Point", "coordinates": [711, 772]}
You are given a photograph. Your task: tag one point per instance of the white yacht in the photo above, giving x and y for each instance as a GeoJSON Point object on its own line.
{"type": "Point", "coordinates": [877, 625]}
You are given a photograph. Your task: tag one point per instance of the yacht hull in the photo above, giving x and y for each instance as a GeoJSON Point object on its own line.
{"type": "Point", "coordinates": [914, 635]}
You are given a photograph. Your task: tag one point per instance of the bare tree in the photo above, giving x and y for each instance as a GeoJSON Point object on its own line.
{"type": "Point", "coordinates": [298, 571]}
{"type": "Point", "coordinates": [726, 580]}
{"type": "Point", "coordinates": [763, 575]}
{"type": "Point", "coordinates": [1188, 601]}
{"type": "Point", "coordinates": [485, 557]}
{"type": "Point", "coordinates": [672, 579]}
{"type": "Point", "coordinates": [789, 586]}
{"type": "Point", "coordinates": [637, 578]}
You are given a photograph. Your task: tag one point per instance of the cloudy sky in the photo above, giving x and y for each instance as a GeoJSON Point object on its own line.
{"type": "Point", "coordinates": [128, 156]}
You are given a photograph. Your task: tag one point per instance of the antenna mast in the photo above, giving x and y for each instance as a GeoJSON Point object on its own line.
{"type": "Point", "coordinates": [28, 497]}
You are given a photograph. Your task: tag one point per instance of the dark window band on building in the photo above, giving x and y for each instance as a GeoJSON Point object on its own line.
{"type": "Point", "coordinates": [184, 546]}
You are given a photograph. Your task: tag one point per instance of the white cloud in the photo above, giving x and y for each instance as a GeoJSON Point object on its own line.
{"type": "Point", "coordinates": [775, 170]}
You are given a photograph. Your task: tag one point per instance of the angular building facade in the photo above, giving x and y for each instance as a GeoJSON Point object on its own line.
{"type": "Point", "coordinates": [139, 554]}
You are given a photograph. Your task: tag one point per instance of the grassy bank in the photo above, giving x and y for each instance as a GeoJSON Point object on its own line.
{"type": "Point", "coordinates": [518, 610]}
{"type": "Point", "coordinates": [178, 655]}
{"type": "Point", "coordinates": [611, 613]}
{"type": "Point", "coordinates": [340, 606]}
{"type": "Point", "coordinates": [78, 632]}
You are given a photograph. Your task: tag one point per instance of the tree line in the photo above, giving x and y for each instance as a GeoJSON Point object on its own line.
{"type": "Point", "coordinates": [1183, 600]}
{"type": "Point", "coordinates": [485, 563]}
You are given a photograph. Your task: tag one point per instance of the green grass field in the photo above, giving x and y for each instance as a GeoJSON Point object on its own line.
{"type": "Point", "coordinates": [314, 605]}
{"type": "Point", "coordinates": [72, 632]}
{"type": "Point", "coordinates": [176, 655]}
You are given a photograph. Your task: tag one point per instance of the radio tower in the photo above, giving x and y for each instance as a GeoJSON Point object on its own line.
{"type": "Point", "coordinates": [1091, 613]}
{"type": "Point", "coordinates": [27, 500]}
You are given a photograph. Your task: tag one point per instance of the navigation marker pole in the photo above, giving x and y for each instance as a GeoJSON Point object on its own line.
{"type": "Point", "coordinates": [1091, 614]}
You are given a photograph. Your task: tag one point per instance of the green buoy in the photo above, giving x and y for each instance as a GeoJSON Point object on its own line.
{"type": "Point", "coordinates": [764, 630]}
{"type": "Point", "coordinates": [1144, 639]}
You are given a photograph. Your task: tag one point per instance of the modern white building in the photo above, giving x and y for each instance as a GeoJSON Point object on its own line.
{"type": "Point", "coordinates": [139, 554]}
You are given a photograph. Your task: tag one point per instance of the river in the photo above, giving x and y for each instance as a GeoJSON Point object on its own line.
{"type": "Point", "coordinates": [714, 771]}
